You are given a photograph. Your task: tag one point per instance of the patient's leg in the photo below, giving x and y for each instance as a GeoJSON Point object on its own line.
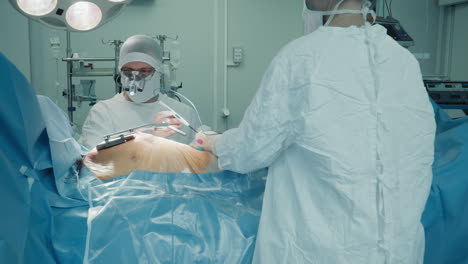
{"type": "Point", "coordinates": [149, 153]}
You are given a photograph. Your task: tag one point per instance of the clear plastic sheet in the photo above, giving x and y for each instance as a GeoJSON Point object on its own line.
{"type": "Point", "coordinates": [174, 218]}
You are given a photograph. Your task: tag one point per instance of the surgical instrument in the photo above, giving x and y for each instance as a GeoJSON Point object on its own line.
{"type": "Point", "coordinates": [123, 136]}
{"type": "Point", "coordinates": [177, 116]}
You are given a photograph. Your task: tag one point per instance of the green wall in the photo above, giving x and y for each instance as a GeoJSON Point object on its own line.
{"type": "Point", "coordinates": [460, 44]}
{"type": "Point", "coordinates": [14, 37]}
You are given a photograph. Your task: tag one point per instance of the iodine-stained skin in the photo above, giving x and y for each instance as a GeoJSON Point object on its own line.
{"type": "Point", "coordinates": [149, 153]}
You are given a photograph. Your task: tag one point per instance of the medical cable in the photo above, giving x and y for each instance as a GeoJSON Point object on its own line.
{"type": "Point", "coordinates": [388, 8]}
{"type": "Point", "coordinates": [190, 102]}
{"type": "Point", "coordinates": [177, 116]}
{"type": "Point", "coordinates": [391, 3]}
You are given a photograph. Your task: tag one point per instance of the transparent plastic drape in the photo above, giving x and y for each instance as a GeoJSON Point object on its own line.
{"type": "Point", "coordinates": [174, 218]}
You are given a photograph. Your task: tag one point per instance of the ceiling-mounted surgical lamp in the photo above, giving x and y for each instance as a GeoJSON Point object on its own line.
{"type": "Point", "coordinates": [71, 15]}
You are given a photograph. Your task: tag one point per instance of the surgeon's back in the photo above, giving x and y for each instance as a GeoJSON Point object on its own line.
{"type": "Point", "coordinates": [352, 185]}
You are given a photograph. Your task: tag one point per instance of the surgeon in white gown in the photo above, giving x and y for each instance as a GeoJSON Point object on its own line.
{"type": "Point", "coordinates": [344, 123]}
{"type": "Point", "coordinates": [139, 54]}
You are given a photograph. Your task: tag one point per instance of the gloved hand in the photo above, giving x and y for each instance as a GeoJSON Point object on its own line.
{"type": "Point", "coordinates": [165, 117]}
{"type": "Point", "coordinates": [204, 141]}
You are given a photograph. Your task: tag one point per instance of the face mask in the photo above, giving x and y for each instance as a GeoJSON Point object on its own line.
{"type": "Point", "coordinates": [314, 19]}
{"type": "Point", "coordinates": [140, 88]}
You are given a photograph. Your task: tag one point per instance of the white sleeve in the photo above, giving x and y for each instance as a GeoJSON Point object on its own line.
{"type": "Point", "coordinates": [96, 125]}
{"type": "Point", "coordinates": [269, 126]}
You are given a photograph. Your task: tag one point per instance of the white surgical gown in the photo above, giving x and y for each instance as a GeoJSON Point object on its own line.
{"type": "Point", "coordinates": [344, 123]}
{"type": "Point", "coordinates": [117, 114]}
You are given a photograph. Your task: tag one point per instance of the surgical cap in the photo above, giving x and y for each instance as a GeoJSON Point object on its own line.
{"type": "Point", "coordinates": [141, 48]}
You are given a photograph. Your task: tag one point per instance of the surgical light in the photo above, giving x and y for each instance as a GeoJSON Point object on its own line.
{"type": "Point", "coordinates": [71, 15]}
{"type": "Point", "coordinates": [83, 15]}
{"type": "Point", "coordinates": [37, 7]}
